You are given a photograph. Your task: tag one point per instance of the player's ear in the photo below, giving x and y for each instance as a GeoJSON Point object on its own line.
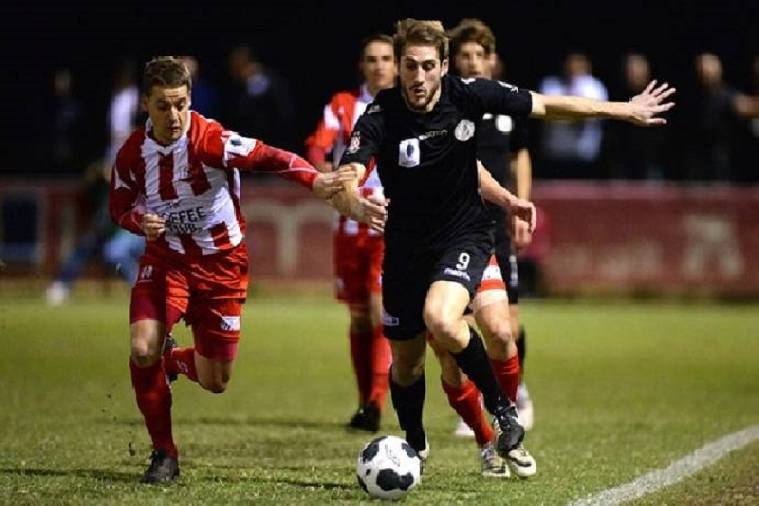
{"type": "Point", "coordinates": [492, 60]}
{"type": "Point", "coordinates": [444, 67]}
{"type": "Point", "coordinates": [144, 102]}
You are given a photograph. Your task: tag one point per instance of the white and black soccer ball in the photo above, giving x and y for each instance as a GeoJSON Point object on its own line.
{"type": "Point", "coordinates": [388, 468]}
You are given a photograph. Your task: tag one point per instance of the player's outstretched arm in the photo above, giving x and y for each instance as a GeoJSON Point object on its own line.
{"type": "Point", "coordinates": [642, 110]}
{"type": "Point", "coordinates": [497, 194]}
{"type": "Point", "coordinates": [349, 203]}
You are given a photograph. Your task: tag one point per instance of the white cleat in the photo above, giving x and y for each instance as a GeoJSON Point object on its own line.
{"type": "Point", "coordinates": [521, 462]}
{"type": "Point", "coordinates": [526, 413]}
{"type": "Point", "coordinates": [491, 464]}
{"type": "Point", "coordinates": [463, 430]}
{"type": "Point", "coordinates": [57, 293]}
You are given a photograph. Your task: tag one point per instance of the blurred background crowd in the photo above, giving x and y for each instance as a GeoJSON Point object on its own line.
{"type": "Point", "coordinates": [266, 69]}
{"type": "Point", "coordinates": [71, 97]}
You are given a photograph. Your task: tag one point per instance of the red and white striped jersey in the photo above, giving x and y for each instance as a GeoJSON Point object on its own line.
{"type": "Point", "coordinates": [333, 133]}
{"type": "Point", "coordinates": [194, 185]}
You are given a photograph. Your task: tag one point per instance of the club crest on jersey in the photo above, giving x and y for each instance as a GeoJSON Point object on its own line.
{"type": "Point", "coordinates": [504, 123]}
{"type": "Point", "coordinates": [409, 154]}
{"type": "Point", "coordinates": [464, 130]}
{"type": "Point", "coordinates": [355, 142]}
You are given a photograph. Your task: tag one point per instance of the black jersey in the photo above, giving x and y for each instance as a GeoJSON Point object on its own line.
{"type": "Point", "coordinates": [427, 161]}
{"type": "Point", "coordinates": [500, 137]}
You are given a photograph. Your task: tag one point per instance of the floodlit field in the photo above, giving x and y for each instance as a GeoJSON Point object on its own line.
{"type": "Point", "coordinates": [619, 388]}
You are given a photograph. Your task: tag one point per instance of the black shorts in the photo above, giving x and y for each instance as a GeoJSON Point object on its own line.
{"type": "Point", "coordinates": [408, 273]}
{"type": "Point", "coordinates": [506, 256]}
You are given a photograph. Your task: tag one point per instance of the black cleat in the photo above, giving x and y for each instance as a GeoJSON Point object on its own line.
{"type": "Point", "coordinates": [418, 441]}
{"type": "Point", "coordinates": [510, 433]}
{"type": "Point", "coordinates": [169, 344]}
{"type": "Point", "coordinates": [366, 418]}
{"type": "Point", "coordinates": [162, 468]}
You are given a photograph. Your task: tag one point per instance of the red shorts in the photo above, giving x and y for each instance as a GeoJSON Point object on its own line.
{"type": "Point", "coordinates": [207, 292]}
{"type": "Point", "coordinates": [491, 277]}
{"type": "Point", "coordinates": [358, 266]}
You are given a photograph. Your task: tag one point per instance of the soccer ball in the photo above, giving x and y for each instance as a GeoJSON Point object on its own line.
{"type": "Point", "coordinates": [388, 468]}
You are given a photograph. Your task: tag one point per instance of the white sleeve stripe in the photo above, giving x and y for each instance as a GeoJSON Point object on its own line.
{"type": "Point", "coordinates": [330, 120]}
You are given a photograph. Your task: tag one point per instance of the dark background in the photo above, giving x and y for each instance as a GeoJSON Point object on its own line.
{"type": "Point", "coordinates": [315, 45]}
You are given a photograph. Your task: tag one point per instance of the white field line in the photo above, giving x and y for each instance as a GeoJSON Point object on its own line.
{"type": "Point", "coordinates": [678, 470]}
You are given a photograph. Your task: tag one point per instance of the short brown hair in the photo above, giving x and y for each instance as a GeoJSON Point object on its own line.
{"type": "Point", "coordinates": [472, 30]}
{"type": "Point", "coordinates": [420, 32]}
{"type": "Point", "coordinates": [165, 71]}
{"type": "Point", "coordinates": [376, 37]}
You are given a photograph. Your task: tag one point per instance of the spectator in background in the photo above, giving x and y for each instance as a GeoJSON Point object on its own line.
{"type": "Point", "coordinates": [124, 108]}
{"type": "Point", "coordinates": [120, 250]}
{"type": "Point", "coordinates": [712, 146]}
{"type": "Point", "coordinates": [635, 153]}
{"type": "Point", "coordinates": [60, 150]}
{"type": "Point", "coordinates": [204, 97]}
{"type": "Point", "coordinates": [261, 104]}
{"type": "Point", "coordinates": [571, 149]}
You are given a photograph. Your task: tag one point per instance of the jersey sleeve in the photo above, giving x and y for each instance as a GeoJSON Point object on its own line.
{"type": "Point", "coordinates": [226, 149]}
{"type": "Point", "coordinates": [248, 154]}
{"type": "Point", "coordinates": [124, 196]}
{"type": "Point", "coordinates": [323, 139]}
{"type": "Point", "coordinates": [498, 97]}
{"type": "Point", "coordinates": [366, 137]}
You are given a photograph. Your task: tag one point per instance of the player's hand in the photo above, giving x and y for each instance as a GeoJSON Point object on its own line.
{"type": "Point", "coordinates": [523, 210]}
{"type": "Point", "coordinates": [374, 212]}
{"type": "Point", "coordinates": [152, 226]}
{"type": "Point", "coordinates": [521, 233]}
{"type": "Point", "coordinates": [328, 183]}
{"type": "Point", "coordinates": [646, 107]}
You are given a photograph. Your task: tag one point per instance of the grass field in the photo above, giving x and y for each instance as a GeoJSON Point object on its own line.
{"type": "Point", "coordinates": [620, 389]}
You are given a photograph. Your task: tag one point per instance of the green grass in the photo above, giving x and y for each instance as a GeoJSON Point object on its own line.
{"type": "Point", "coordinates": [620, 389]}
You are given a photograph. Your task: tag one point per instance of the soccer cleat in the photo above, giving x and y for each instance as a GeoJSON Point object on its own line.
{"type": "Point", "coordinates": [491, 464]}
{"type": "Point", "coordinates": [525, 408]}
{"type": "Point", "coordinates": [510, 433]}
{"type": "Point", "coordinates": [57, 293]}
{"type": "Point", "coordinates": [462, 429]}
{"type": "Point", "coordinates": [169, 344]}
{"type": "Point", "coordinates": [163, 468]}
{"type": "Point", "coordinates": [366, 418]}
{"type": "Point", "coordinates": [521, 462]}
{"type": "Point", "coordinates": [418, 441]}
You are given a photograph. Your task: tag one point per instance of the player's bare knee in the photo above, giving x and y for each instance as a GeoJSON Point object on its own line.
{"type": "Point", "coordinates": [408, 373]}
{"type": "Point", "coordinates": [142, 355]}
{"type": "Point", "coordinates": [442, 326]}
{"type": "Point", "coordinates": [500, 332]}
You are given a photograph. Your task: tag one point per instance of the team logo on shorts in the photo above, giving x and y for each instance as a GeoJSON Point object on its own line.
{"type": "Point", "coordinates": [230, 323]}
{"type": "Point", "coordinates": [464, 130]}
{"type": "Point", "coordinates": [389, 320]}
{"type": "Point", "coordinates": [146, 273]}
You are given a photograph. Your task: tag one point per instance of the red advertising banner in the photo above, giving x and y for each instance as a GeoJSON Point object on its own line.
{"type": "Point", "coordinates": [638, 237]}
{"type": "Point", "coordinates": [593, 237]}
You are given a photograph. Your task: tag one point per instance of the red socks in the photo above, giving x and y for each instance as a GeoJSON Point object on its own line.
{"type": "Point", "coordinates": [181, 361]}
{"type": "Point", "coordinates": [465, 400]}
{"type": "Point", "coordinates": [154, 400]}
{"type": "Point", "coordinates": [371, 357]}
{"type": "Point", "coordinates": [360, 351]}
{"type": "Point", "coordinates": [507, 373]}
{"type": "Point", "coordinates": [380, 356]}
